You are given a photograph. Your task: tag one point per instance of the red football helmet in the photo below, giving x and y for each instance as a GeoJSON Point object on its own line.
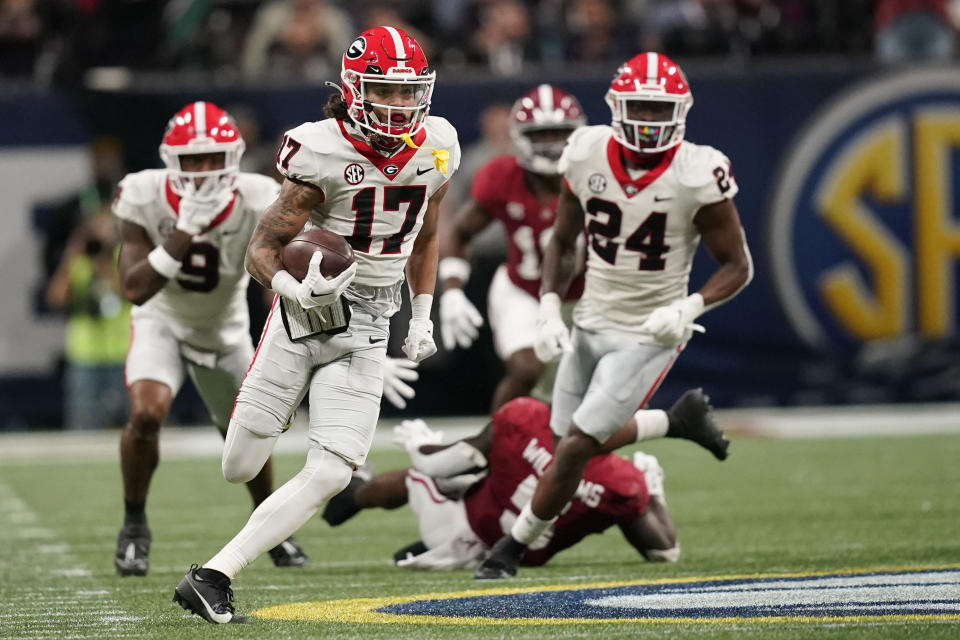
{"type": "Point", "coordinates": [649, 78]}
{"type": "Point", "coordinates": [542, 109]}
{"type": "Point", "coordinates": [202, 127]}
{"type": "Point", "coordinates": [387, 56]}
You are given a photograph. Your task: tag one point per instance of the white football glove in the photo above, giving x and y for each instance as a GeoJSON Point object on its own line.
{"type": "Point", "coordinates": [673, 324]}
{"type": "Point", "coordinates": [553, 337]}
{"type": "Point", "coordinates": [317, 291]}
{"type": "Point", "coordinates": [395, 372]}
{"type": "Point", "coordinates": [419, 344]}
{"type": "Point", "coordinates": [195, 213]}
{"type": "Point", "coordinates": [412, 434]}
{"type": "Point", "coordinates": [652, 473]}
{"type": "Point", "coordinates": [459, 319]}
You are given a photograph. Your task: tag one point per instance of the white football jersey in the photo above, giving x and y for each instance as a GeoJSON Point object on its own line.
{"type": "Point", "coordinates": [209, 294]}
{"type": "Point", "coordinates": [639, 226]}
{"type": "Point", "coordinates": [376, 202]}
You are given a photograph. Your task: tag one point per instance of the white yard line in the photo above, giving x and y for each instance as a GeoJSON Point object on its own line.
{"type": "Point", "coordinates": [808, 422]}
{"type": "Point", "coordinates": [76, 602]}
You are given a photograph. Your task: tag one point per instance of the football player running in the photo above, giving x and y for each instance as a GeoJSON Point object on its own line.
{"type": "Point", "coordinates": [185, 231]}
{"type": "Point", "coordinates": [461, 516]}
{"type": "Point", "coordinates": [645, 198]}
{"type": "Point", "coordinates": [521, 192]}
{"type": "Point", "coordinates": [357, 173]}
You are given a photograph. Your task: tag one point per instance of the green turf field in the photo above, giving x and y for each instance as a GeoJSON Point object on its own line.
{"type": "Point", "coordinates": [776, 506]}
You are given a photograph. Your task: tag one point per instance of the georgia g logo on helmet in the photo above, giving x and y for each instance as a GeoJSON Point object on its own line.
{"type": "Point", "coordinates": [356, 48]}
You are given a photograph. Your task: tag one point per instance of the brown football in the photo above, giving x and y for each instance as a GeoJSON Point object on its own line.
{"type": "Point", "coordinates": [337, 253]}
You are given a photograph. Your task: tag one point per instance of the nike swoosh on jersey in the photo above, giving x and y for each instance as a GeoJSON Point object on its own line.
{"type": "Point", "coordinates": [376, 340]}
{"type": "Point", "coordinates": [420, 172]}
{"type": "Point", "coordinates": [662, 198]}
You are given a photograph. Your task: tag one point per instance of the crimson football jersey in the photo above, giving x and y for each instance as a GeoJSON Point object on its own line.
{"type": "Point", "coordinates": [612, 489]}
{"type": "Point", "coordinates": [500, 190]}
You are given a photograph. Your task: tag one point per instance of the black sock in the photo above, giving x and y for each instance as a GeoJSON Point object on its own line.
{"type": "Point", "coordinates": [134, 512]}
{"type": "Point", "coordinates": [343, 506]}
{"type": "Point", "coordinates": [512, 547]}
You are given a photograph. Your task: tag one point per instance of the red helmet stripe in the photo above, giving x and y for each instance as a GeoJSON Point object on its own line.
{"type": "Point", "coordinates": [401, 53]}
{"type": "Point", "coordinates": [200, 118]}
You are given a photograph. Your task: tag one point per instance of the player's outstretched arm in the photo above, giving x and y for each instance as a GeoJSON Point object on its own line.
{"type": "Point", "coordinates": [144, 268]}
{"type": "Point", "coordinates": [560, 258]}
{"type": "Point", "coordinates": [455, 239]}
{"type": "Point", "coordinates": [460, 321]}
{"type": "Point", "coordinates": [652, 533]}
{"type": "Point", "coordinates": [422, 278]}
{"type": "Point", "coordinates": [559, 265]}
{"type": "Point", "coordinates": [422, 264]}
{"type": "Point", "coordinates": [431, 457]}
{"type": "Point", "coordinates": [723, 237]}
{"type": "Point", "coordinates": [280, 222]}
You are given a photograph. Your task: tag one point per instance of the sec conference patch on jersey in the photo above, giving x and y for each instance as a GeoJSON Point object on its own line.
{"type": "Point", "coordinates": [856, 596]}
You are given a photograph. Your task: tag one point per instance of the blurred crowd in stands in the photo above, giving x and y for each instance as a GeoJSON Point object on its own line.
{"type": "Point", "coordinates": [55, 42]}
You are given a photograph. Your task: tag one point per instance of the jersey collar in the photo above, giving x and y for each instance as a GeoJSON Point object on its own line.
{"type": "Point", "coordinates": [381, 162]}
{"type": "Point", "coordinates": [633, 187]}
{"type": "Point", "coordinates": [174, 201]}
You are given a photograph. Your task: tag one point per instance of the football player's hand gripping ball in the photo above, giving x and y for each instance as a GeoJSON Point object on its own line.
{"type": "Point", "coordinates": [317, 291]}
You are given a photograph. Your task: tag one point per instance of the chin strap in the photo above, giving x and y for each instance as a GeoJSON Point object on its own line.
{"type": "Point", "coordinates": [440, 156]}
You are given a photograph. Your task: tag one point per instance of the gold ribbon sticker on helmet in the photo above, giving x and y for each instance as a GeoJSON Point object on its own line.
{"type": "Point", "coordinates": [440, 156]}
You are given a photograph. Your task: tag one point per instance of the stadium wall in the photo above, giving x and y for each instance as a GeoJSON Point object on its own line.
{"type": "Point", "coordinates": [848, 189]}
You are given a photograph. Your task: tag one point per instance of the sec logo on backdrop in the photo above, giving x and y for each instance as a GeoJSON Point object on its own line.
{"type": "Point", "coordinates": [865, 216]}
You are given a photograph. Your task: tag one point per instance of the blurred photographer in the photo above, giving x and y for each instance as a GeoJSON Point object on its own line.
{"type": "Point", "coordinates": [86, 285]}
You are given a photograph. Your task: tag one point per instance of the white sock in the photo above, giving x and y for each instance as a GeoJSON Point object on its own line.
{"type": "Point", "coordinates": [651, 423]}
{"type": "Point", "coordinates": [286, 510]}
{"type": "Point", "coordinates": [528, 527]}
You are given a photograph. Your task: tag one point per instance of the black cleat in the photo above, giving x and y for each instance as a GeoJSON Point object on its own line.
{"type": "Point", "coordinates": [691, 417]}
{"type": "Point", "coordinates": [133, 550]}
{"type": "Point", "coordinates": [289, 553]}
{"type": "Point", "coordinates": [501, 563]}
{"type": "Point", "coordinates": [208, 595]}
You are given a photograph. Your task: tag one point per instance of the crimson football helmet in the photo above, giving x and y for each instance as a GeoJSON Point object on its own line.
{"type": "Point", "coordinates": [202, 127]}
{"type": "Point", "coordinates": [649, 77]}
{"type": "Point", "coordinates": [386, 56]}
{"type": "Point", "coordinates": [543, 108]}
